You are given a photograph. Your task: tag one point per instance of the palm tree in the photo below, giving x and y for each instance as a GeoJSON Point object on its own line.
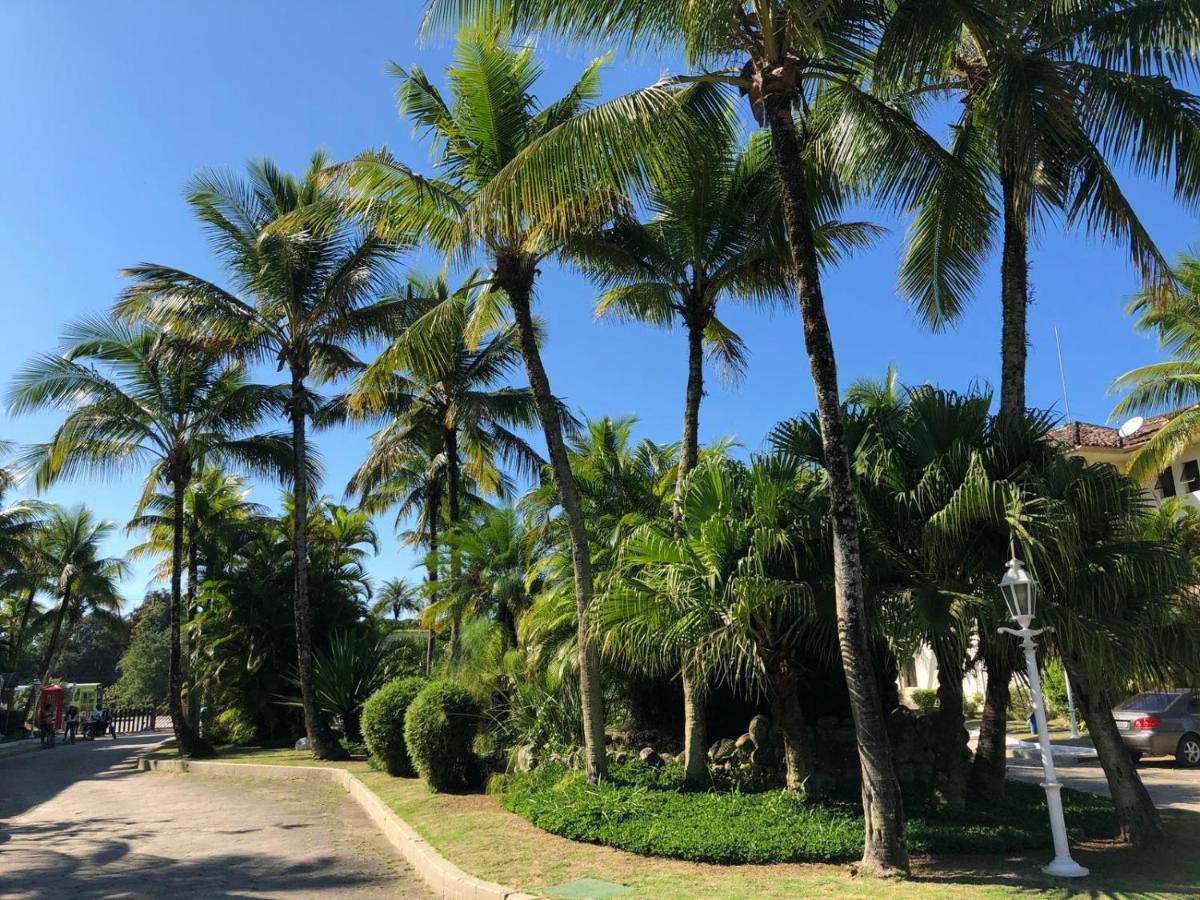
{"type": "Point", "coordinates": [733, 590]}
{"type": "Point", "coordinates": [436, 387]}
{"type": "Point", "coordinates": [499, 551]}
{"type": "Point", "coordinates": [1166, 386]}
{"type": "Point", "coordinates": [716, 231]}
{"type": "Point", "coordinates": [304, 288]}
{"type": "Point", "coordinates": [398, 598]}
{"type": "Point", "coordinates": [489, 123]}
{"type": "Point", "coordinates": [135, 398]}
{"type": "Point", "coordinates": [1122, 604]}
{"type": "Point", "coordinates": [1052, 95]}
{"type": "Point", "coordinates": [800, 63]}
{"type": "Point", "coordinates": [411, 479]}
{"type": "Point", "coordinates": [72, 547]}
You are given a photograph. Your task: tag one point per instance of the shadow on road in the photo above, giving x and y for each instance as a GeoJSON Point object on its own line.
{"type": "Point", "coordinates": [111, 871]}
{"type": "Point", "coordinates": [30, 779]}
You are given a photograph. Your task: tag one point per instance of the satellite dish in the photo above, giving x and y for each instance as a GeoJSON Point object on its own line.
{"type": "Point", "coordinates": [1131, 426]}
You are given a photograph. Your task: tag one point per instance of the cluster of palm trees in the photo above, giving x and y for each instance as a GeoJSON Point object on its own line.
{"type": "Point", "coordinates": [658, 198]}
{"type": "Point", "coordinates": [54, 551]}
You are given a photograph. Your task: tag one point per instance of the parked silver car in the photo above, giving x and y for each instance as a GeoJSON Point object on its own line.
{"type": "Point", "coordinates": [1162, 723]}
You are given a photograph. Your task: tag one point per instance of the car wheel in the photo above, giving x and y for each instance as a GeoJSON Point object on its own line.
{"type": "Point", "coordinates": [1188, 751]}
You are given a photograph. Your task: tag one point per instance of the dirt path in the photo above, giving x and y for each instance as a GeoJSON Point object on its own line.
{"type": "Point", "coordinates": [80, 821]}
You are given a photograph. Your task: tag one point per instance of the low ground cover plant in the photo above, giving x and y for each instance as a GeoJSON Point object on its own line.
{"type": "Point", "coordinates": [646, 811]}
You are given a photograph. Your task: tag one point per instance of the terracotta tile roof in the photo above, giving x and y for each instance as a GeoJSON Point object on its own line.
{"type": "Point", "coordinates": [1076, 435]}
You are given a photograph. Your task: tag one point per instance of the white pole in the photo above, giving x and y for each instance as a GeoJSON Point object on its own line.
{"type": "Point", "coordinates": [1071, 705]}
{"type": "Point", "coordinates": [1062, 866]}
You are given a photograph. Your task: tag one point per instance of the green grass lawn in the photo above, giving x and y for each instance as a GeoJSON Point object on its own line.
{"type": "Point", "coordinates": [476, 833]}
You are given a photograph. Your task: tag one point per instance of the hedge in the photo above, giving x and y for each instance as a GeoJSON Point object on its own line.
{"type": "Point", "coordinates": [643, 811]}
{"type": "Point", "coordinates": [439, 729]}
{"type": "Point", "coordinates": [383, 724]}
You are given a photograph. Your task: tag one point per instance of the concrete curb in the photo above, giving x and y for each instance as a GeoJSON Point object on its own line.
{"type": "Point", "coordinates": [443, 877]}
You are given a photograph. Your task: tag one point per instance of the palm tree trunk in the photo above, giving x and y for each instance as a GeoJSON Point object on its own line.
{"type": "Point", "coordinates": [950, 733]}
{"type": "Point", "coordinates": [514, 274]}
{"type": "Point", "coordinates": [188, 742]}
{"type": "Point", "coordinates": [695, 688]}
{"type": "Point", "coordinates": [453, 488]}
{"type": "Point", "coordinates": [1014, 300]}
{"type": "Point", "coordinates": [320, 738]}
{"type": "Point", "coordinates": [431, 565]}
{"type": "Point", "coordinates": [789, 716]}
{"type": "Point", "coordinates": [695, 728]}
{"type": "Point", "coordinates": [689, 446]}
{"type": "Point", "coordinates": [193, 576]}
{"type": "Point", "coordinates": [886, 847]}
{"type": "Point", "coordinates": [25, 614]}
{"type": "Point", "coordinates": [989, 767]}
{"type": "Point", "coordinates": [51, 654]}
{"type": "Point", "coordinates": [1136, 814]}
{"type": "Point", "coordinates": [988, 770]}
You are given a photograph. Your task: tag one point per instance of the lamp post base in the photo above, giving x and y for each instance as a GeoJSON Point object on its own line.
{"type": "Point", "coordinates": [1065, 868]}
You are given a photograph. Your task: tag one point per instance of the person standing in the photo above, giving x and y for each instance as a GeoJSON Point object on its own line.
{"type": "Point", "coordinates": [71, 725]}
{"type": "Point", "coordinates": [47, 727]}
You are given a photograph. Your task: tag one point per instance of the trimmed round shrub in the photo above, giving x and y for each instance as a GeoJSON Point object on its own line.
{"type": "Point", "coordinates": [439, 729]}
{"type": "Point", "coordinates": [383, 724]}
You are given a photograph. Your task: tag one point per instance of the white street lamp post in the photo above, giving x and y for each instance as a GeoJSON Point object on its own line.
{"type": "Point", "coordinates": [1020, 595]}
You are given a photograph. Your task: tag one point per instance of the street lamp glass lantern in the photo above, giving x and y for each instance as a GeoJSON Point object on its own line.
{"type": "Point", "coordinates": [1020, 592]}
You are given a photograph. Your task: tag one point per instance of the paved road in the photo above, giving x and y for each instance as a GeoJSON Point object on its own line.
{"type": "Point", "coordinates": [1170, 786]}
{"type": "Point", "coordinates": [80, 821]}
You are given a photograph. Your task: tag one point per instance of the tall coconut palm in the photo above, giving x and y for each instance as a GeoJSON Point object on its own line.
{"type": "Point", "coordinates": [489, 123]}
{"type": "Point", "coordinates": [715, 232]}
{"type": "Point", "coordinates": [434, 385]}
{"type": "Point", "coordinates": [304, 287]}
{"type": "Point", "coordinates": [410, 478]}
{"type": "Point", "coordinates": [72, 546]}
{"type": "Point", "coordinates": [136, 399]}
{"type": "Point", "coordinates": [215, 509]}
{"type": "Point", "coordinates": [800, 64]}
{"type": "Point", "coordinates": [1052, 97]}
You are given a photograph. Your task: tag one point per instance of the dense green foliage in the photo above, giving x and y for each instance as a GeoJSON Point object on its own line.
{"type": "Point", "coordinates": [439, 731]}
{"type": "Point", "coordinates": [647, 811]}
{"type": "Point", "coordinates": [143, 666]}
{"type": "Point", "coordinates": [383, 717]}
{"type": "Point", "coordinates": [231, 726]}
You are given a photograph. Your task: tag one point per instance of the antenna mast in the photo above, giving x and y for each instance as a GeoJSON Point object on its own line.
{"type": "Point", "coordinates": [1062, 374]}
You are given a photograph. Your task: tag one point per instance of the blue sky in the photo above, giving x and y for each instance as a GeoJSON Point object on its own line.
{"type": "Point", "coordinates": [110, 108]}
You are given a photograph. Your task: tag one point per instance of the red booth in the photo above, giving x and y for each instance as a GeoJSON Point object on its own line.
{"type": "Point", "coordinates": [53, 699]}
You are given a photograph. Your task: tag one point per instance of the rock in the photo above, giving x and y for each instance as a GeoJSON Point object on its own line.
{"type": "Point", "coordinates": [527, 759]}
{"type": "Point", "coordinates": [302, 744]}
{"type": "Point", "coordinates": [722, 750]}
{"type": "Point", "coordinates": [760, 728]}
{"type": "Point", "coordinates": [650, 757]}
{"type": "Point", "coordinates": [667, 758]}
